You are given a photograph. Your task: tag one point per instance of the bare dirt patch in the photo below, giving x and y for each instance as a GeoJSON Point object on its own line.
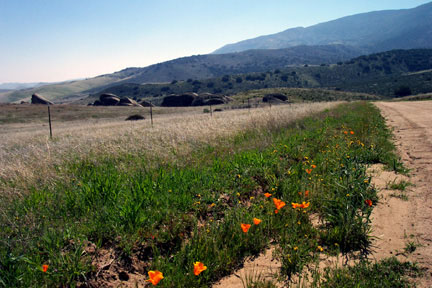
{"type": "Point", "coordinates": [392, 210]}
{"type": "Point", "coordinates": [411, 124]}
{"type": "Point", "coordinates": [264, 268]}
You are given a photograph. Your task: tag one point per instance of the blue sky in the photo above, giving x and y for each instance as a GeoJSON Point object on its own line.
{"type": "Point", "coordinates": [55, 40]}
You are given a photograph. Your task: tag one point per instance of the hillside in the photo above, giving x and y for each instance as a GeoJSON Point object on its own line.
{"type": "Point", "coordinates": [372, 32]}
{"type": "Point", "coordinates": [379, 74]}
{"type": "Point", "coordinates": [193, 67]}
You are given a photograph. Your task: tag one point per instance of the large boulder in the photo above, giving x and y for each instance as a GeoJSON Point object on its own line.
{"type": "Point", "coordinates": [214, 101]}
{"type": "Point", "coordinates": [206, 99]}
{"type": "Point", "coordinates": [183, 100]}
{"type": "Point", "coordinates": [128, 102]}
{"type": "Point", "coordinates": [108, 99]}
{"type": "Point", "coordinates": [145, 103]}
{"type": "Point", "coordinates": [275, 98]}
{"type": "Point", "coordinates": [37, 99]}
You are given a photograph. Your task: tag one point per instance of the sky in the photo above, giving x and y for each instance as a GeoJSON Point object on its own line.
{"type": "Point", "coordinates": [57, 40]}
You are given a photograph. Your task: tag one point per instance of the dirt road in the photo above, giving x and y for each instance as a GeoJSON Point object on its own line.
{"type": "Point", "coordinates": [399, 222]}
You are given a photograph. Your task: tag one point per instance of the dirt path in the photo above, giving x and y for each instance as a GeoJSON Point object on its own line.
{"type": "Point", "coordinates": [400, 221]}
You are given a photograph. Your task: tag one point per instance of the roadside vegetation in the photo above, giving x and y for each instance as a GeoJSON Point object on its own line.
{"type": "Point", "coordinates": [214, 206]}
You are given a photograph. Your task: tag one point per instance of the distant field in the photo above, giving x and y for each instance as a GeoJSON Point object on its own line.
{"type": "Point", "coordinates": [27, 113]}
{"type": "Point", "coordinates": [62, 91]}
{"type": "Point", "coordinates": [81, 131]}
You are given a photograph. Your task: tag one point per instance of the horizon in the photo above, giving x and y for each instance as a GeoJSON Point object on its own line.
{"type": "Point", "coordinates": [69, 40]}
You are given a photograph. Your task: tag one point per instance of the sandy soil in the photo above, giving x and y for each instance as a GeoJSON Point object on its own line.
{"type": "Point", "coordinates": [398, 222]}
{"type": "Point", "coordinates": [263, 268]}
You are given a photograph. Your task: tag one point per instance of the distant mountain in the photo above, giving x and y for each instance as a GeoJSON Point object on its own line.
{"type": "Point", "coordinates": [19, 85]}
{"type": "Point", "coordinates": [212, 65]}
{"type": "Point", "coordinates": [373, 32]}
{"type": "Point", "coordinates": [195, 68]}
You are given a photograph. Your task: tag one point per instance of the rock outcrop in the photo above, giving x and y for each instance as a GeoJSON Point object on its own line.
{"type": "Point", "coordinates": [37, 99]}
{"type": "Point", "coordinates": [193, 99]}
{"type": "Point", "coordinates": [145, 103]}
{"type": "Point", "coordinates": [128, 102]}
{"type": "Point", "coordinates": [275, 98]}
{"type": "Point", "coordinates": [108, 99]}
{"type": "Point", "coordinates": [182, 100]}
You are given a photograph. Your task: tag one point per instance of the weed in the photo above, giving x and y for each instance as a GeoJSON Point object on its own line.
{"type": "Point", "coordinates": [402, 185]}
{"type": "Point", "coordinates": [410, 247]}
{"type": "Point", "coordinates": [401, 196]}
{"type": "Point", "coordinates": [256, 280]}
{"type": "Point", "coordinates": [387, 273]}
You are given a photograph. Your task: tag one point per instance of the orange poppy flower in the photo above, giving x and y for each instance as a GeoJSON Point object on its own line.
{"type": "Point", "coordinates": [155, 277]}
{"type": "Point", "coordinates": [245, 227]}
{"type": "Point", "coordinates": [309, 171]}
{"type": "Point", "coordinates": [199, 267]}
{"type": "Point", "coordinates": [345, 132]}
{"type": "Point", "coordinates": [368, 202]}
{"type": "Point", "coordinates": [307, 193]}
{"type": "Point", "coordinates": [276, 211]}
{"type": "Point", "coordinates": [45, 268]}
{"type": "Point", "coordinates": [313, 166]}
{"type": "Point", "coordinates": [352, 132]}
{"type": "Point", "coordinates": [256, 221]}
{"type": "Point", "coordinates": [278, 203]}
{"type": "Point", "coordinates": [267, 195]}
{"type": "Point", "coordinates": [304, 205]}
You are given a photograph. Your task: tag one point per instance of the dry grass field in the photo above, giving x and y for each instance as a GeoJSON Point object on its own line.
{"type": "Point", "coordinates": [28, 156]}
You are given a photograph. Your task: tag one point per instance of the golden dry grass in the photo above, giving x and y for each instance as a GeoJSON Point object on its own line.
{"type": "Point", "coordinates": [28, 156]}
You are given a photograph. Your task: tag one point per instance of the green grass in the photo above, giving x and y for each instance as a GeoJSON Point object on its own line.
{"type": "Point", "coordinates": [401, 185]}
{"type": "Point", "coordinates": [389, 273]}
{"type": "Point", "coordinates": [168, 216]}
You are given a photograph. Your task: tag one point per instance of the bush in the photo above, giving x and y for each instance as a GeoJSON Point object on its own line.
{"type": "Point", "coordinates": [225, 78]}
{"type": "Point", "coordinates": [135, 117]}
{"type": "Point", "coordinates": [402, 91]}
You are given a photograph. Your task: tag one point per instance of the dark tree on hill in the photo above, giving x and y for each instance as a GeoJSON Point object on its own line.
{"type": "Point", "coordinates": [403, 91]}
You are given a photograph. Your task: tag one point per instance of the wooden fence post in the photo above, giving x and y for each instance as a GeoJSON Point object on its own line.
{"type": "Point", "coordinates": [49, 120]}
{"type": "Point", "coordinates": [151, 116]}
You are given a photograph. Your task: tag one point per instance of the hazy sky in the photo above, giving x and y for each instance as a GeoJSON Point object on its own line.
{"type": "Point", "coordinates": [54, 40]}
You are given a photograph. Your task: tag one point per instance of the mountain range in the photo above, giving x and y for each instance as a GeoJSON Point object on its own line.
{"type": "Point", "coordinates": [372, 32]}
